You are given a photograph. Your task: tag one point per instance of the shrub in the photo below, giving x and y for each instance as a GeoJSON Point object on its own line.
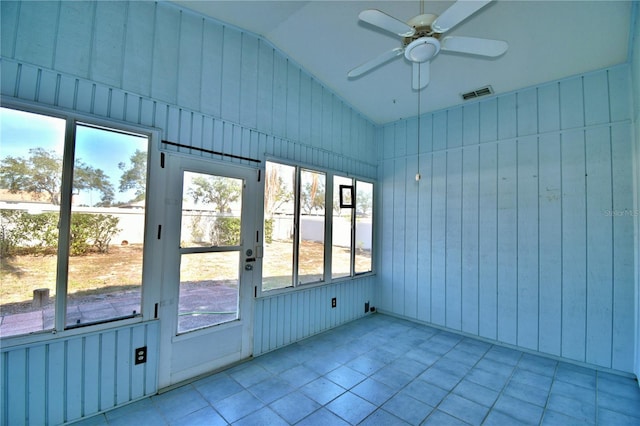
{"type": "Point", "coordinates": [226, 231]}
{"type": "Point", "coordinates": [23, 232]}
{"type": "Point", "coordinates": [92, 230]}
{"type": "Point", "coordinates": [268, 231]}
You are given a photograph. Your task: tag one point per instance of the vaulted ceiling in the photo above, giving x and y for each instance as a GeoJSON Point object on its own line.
{"type": "Point", "coordinates": [548, 40]}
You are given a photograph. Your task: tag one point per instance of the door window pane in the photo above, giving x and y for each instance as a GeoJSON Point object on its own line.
{"type": "Point", "coordinates": [341, 232]}
{"type": "Point", "coordinates": [311, 220]}
{"type": "Point", "coordinates": [279, 208]}
{"type": "Point", "coordinates": [364, 226]}
{"type": "Point", "coordinates": [208, 289]}
{"type": "Point", "coordinates": [211, 211]}
{"type": "Point", "coordinates": [30, 179]}
{"type": "Point", "coordinates": [107, 225]}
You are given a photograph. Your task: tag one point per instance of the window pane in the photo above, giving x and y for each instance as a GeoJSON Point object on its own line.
{"type": "Point", "coordinates": [364, 223]}
{"type": "Point", "coordinates": [312, 202]}
{"type": "Point", "coordinates": [341, 233]}
{"type": "Point", "coordinates": [211, 211]}
{"type": "Point", "coordinates": [208, 289]}
{"type": "Point", "coordinates": [279, 208]}
{"type": "Point", "coordinates": [107, 225]}
{"type": "Point", "coordinates": [30, 179]}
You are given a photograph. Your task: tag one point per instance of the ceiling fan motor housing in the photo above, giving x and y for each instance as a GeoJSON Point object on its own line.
{"type": "Point", "coordinates": [423, 45]}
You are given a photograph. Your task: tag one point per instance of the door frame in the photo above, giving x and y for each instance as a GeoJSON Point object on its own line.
{"type": "Point", "coordinates": [194, 353]}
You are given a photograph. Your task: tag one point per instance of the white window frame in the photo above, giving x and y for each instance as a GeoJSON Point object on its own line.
{"type": "Point", "coordinates": [328, 228]}
{"type": "Point", "coordinates": [150, 296]}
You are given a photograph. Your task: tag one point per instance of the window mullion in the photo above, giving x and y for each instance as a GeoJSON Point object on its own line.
{"type": "Point", "coordinates": [64, 227]}
{"type": "Point", "coordinates": [354, 184]}
{"type": "Point", "coordinates": [296, 228]}
{"type": "Point", "coordinates": [328, 227]}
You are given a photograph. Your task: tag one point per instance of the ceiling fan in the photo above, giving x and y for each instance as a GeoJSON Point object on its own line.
{"type": "Point", "coordinates": [422, 39]}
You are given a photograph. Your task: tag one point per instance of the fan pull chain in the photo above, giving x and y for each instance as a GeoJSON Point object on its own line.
{"type": "Point", "coordinates": [418, 147]}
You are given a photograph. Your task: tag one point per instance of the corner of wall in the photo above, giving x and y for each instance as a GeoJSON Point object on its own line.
{"type": "Point", "coordinates": [634, 59]}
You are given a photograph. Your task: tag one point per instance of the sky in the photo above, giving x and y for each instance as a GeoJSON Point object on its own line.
{"type": "Point", "coordinates": [99, 148]}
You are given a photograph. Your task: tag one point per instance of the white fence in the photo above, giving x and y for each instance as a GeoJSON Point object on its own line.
{"type": "Point", "coordinates": [131, 224]}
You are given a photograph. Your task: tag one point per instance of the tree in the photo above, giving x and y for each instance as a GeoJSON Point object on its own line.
{"type": "Point", "coordinates": [312, 194]}
{"type": "Point", "coordinates": [41, 174]}
{"type": "Point", "coordinates": [86, 177]}
{"type": "Point", "coordinates": [220, 192]}
{"type": "Point", "coordinates": [276, 192]}
{"type": "Point", "coordinates": [215, 190]}
{"type": "Point", "coordinates": [135, 177]}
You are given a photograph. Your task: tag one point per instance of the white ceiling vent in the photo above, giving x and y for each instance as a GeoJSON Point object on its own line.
{"type": "Point", "coordinates": [483, 91]}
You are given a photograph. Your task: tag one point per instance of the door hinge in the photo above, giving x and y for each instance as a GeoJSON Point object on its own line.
{"type": "Point", "coordinates": [162, 160]}
{"type": "Point", "coordinates": [255, 291]}
{"type": "Point", "coordinates": [259, 174]}
{"type": "Point", "coordinates": [159, 231]}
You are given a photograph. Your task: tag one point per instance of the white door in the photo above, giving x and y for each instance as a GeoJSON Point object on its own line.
{"type": "Point", "coordinates": [210, 241]}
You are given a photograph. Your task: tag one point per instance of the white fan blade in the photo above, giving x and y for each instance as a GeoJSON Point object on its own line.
{"type": "Point", "coordinates": [474, 46]}
{"type": "Point", "coordinates": [375, 62]}
{"type": "Point", "coordinates": [420, 78]}
{"type": "Point", "coordinates": [386, 22]}
{"type": "Point", "coordinates": [457, 13]}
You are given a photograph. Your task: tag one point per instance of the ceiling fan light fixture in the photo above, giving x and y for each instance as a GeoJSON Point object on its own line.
{"type": "Point", "coordinates": [422, 49]}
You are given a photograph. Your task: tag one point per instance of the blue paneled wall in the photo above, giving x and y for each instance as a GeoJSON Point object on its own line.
{"type": "Point", "coordinates": [199, 83]}
{"type": "Point", "coordinates": [522, 227]}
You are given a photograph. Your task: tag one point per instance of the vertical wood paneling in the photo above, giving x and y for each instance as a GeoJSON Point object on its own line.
{"type": "Point", "coordinates": [231, 67]}
{"type": "Point", "coordinates": [454, 127]}
{"type": "Point", "coordinates": [438, 237]}
{"type": "Point", "coordinates": [399, 235]}
{"type": "Point", "coordinates": [549, 108]}
{"type": "Point", "coordinates": [599, 245]}
{"type": "Point", "coordinates": [37, 372]}
{"type": "Point", "coordinates": [28, 83]}
{"type": "Point", "coordinates": [164, 70]}
{"type": "Point", "coordinates": [400, 138]}
{"type": "Point", "coordinates": [571, 103]}
{"type": "Point", "coordinates": [527, 112]}
{"type": "Point", "coordinates": [211, 84]}
{"type": "Point", "coordinates": [55, 391]}
{"type": "Point", "coordinates": [596, 98]}
{"type": "Point", "coordinates": [411, 246]}
{"type": "Point", "coordinates": [73, 380]}
{"type": "Point", "coordinates": [439, 131]}
{"type": "Point", "coordinates": [470, 239]}
{"type": "Point", "coordinates": [550, 244]}
{"type": "Point", "coordinates": [385, 204]}
{"type": "Point", "coordinates": [73, 46]}
{"type": "Point", "coordinates": [314, 312]}
{"type": "Point", "coordinates": [623, 291]}
{"type": "Point", "coordinates": [91, 374]}
{"type": "Point", "coordinates": [489, 120]}
{"type": "Point", "coordinates": [573, 246]}
{"type": "Point", "coordinates": [107, 370]}
{"type": "Point", "coordinates": [190, 60]}
{"type": "Point", "coordinates": [453, 253]}
{"type": "Point", "coordinates": [66, 379]}
{"type": "Point", "coordinates": [9, 12]}
{"type": "Point", "coordinates": [108, 39]}
{"type": "Point", "coordinates": [249, 81]}
{"type": "Point", "coordinates": [423, 298]}
{"type": "Point", "coordinates": [619, 89]}
{"type": "Point", "coordinates": [507, 243]}
{"type": "Point", "coordinates": [507, 116]}
{"type": "Point", "coordinates": [488, 244]}
{"type": "Point", "coordinates": [528, 249]}
{"type": "Point", "coordinates": [138, 48]}
{"type": "Point", "coordinates": [36, 47]}
{"type": "Point", "coordinates": [16, 397]}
